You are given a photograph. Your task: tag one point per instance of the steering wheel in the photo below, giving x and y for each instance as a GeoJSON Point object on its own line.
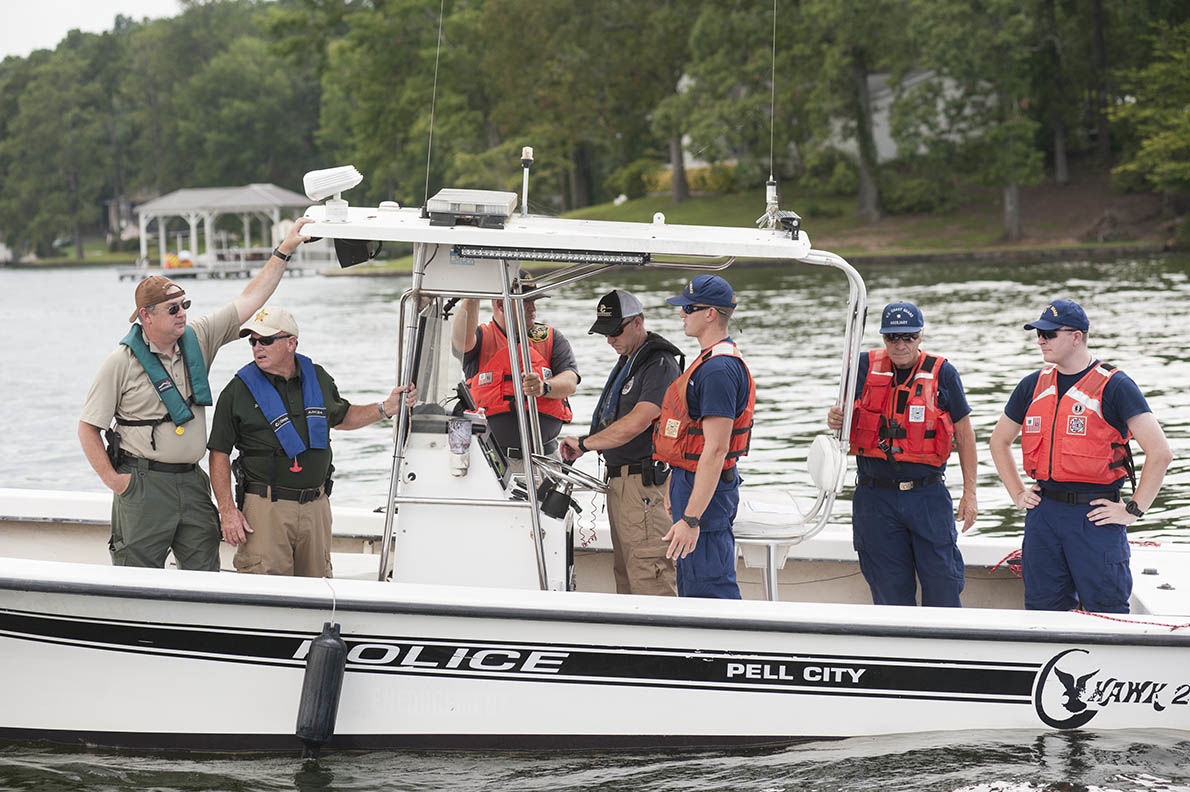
{"type": "Point", "coordinates": [561, 470]}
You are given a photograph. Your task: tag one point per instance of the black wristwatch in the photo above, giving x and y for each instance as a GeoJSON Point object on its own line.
{"type": "Point", "coordinates": [277, 252]}
{"type": "Point", "coordinates": [582, 444]}
{"type": "Point", "coordinates": [546, 388]}
{"type": "Point", "coordinates": [1133, 509]}
{"type": "Point", "coordinates": [693, 522]}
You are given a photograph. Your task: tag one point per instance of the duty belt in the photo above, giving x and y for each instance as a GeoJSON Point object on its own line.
{"type": "Point", "coordinates": [1077, 498]}
{"type": "Point", "coordinates": [159, 467]}
{"type": "Point", "coordinates": [903, 486]}
{"type": "Point", "coordinates": [615, 471]}
{"type": "Point", "coordinates": [284, 493]}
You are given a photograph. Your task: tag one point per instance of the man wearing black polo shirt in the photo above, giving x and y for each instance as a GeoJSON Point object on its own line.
{"type": "Point", "coordinates": [278, 411]}
{"type": "Point", "coordinates": [1078, 415]}
{"type": "Point", "coordinates": [622, 431]}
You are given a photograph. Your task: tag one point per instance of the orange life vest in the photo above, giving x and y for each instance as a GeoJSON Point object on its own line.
{"type": "Point", "coordinates": [492, 388]}
{"type": "Point", "coordinates": [678, 438]}
{"type": "Point", "coordinates": [1068, 439]}
{"type": "Point", "coordinates": [903, 421]}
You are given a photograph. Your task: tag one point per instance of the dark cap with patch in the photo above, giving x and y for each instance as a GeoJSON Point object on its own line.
{"type": "Point", "coordinates": [614, 307]}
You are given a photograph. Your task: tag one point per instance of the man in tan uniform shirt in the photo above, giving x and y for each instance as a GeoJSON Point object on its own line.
{"type": "Point", "coordinates": [162, 498]}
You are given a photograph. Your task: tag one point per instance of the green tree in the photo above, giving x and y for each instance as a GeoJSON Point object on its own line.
{"type": "Point", "coordinates": [980, 53]}
{"type": "Point", "coordinates": [54, 152]}
{"type": "Point", "coordinates": [1157, 112]}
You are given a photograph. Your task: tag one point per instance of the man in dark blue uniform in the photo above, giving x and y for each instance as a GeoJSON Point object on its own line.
{"type": "Point", "coordinates": [1078, 415]}
{"type": "Point", "coordinates": [910, 411]}
{"type": "Point", "coordinates": [704, 428]}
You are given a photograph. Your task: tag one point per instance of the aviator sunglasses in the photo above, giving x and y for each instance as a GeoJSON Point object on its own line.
{"type": "Point", "coordinates": [908, 338]}
{"type": "Point", "coordinates": [1050, 335]}
{"type": "Point", "coordinates": [266, 340]}
{"type": "Point", "coordinates": [182, 306]}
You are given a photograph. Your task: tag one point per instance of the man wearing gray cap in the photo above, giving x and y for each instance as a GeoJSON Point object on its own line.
{"type": "Point", "coordinates": [277, 411]}
{"type": "Point", "coordinates": [910, 412]}
{"type": "Point", "coordinates": [622, 431]}
{"type": "Point", "coordinates": [1078, 415]}
{"type": "Point", "coordinates": [154, 387]}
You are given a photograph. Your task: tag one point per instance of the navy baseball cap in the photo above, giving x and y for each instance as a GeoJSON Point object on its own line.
{"type": "Point", "coordinates": [706, 290]}
{"type": "Point", "coordinates": [901, 317]}
{"type": "Point", "coordinates": [1059, 314]}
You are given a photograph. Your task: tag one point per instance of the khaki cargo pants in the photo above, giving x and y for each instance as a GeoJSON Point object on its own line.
{"type": "Point", "coordinates": [160, 511]}
{"type": "Point", "coordinates": [288, 538]}
{"type": "Point", "coordinates": [638, 521]}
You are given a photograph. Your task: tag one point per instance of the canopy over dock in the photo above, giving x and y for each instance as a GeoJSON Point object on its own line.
{"type": "Point", "coordinates": [263, 202]}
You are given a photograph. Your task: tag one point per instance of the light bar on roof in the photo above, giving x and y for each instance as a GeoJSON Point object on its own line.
{"type": "Point", "coordinates": [564, 256]}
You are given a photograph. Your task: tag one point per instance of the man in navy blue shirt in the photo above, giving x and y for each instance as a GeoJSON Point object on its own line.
{"type": "Point", "coordinates": [910, 412]}
{"type": "Point", "coordinates": [1078, 414]}
{"type": "Point", "coordinates": [704, 428]}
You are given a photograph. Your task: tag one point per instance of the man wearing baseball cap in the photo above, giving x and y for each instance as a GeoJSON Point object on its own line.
{"type": "Point", "coordinates": [704, 428]}
{"type": "Point", "coordinates": [154, 388]}
{"type": "Point", "coordinates": [1078, 415]}
{"type": "Point", "coordinates": [910, 412]}
{"type": "Point", "coordinates": [484, 350]}
{"type": "Point", "coordinates": [277, 411]}
{"type": "Point", "coordinates": [622, 431]}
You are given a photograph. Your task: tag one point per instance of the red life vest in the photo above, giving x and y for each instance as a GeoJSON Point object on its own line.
{"type": "Point", "coordinates": [904, 419]}
{"type": "Point", "coordinates": [678, 438]}
{"type": "Point", "coordinates": [1068, 439]}
{"type": "Point", "coordinates": [492, 388]}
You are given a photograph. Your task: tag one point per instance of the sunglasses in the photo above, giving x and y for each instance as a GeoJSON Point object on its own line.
{"type": "Point", "coordinates": [691, 309]}
{"type": "Point", "coordinates": [1050, 335]}
{"type": "Point", "coordinates": [266, 340]}
{"type": "Point", "coordinates": [908, 338]}
{"type": "Point", "coordinates": [173, 309]}
{"type": "Point", "coordinates": [620, 331]}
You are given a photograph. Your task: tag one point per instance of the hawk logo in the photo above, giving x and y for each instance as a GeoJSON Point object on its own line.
{"type": "Point", "coordinates": [604, 310]}
{"type": "Point", "coordinates": [1032, 423]}
{"type": "Point", "coordinates": [1076, 426]}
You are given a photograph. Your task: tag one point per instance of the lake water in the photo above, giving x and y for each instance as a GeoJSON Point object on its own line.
{"type": "Point", "coordinates": [58, 324]}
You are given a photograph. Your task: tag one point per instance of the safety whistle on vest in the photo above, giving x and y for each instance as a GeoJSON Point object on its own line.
{"type": "Point", "coordinates": [296, 467]}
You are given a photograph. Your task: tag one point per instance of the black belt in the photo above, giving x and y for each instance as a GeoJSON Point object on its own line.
{"type": "Point", "coordinates": [1077, 498]}
{"type": "Point", "coordinates": [900, 485]}
{"type": "Point", "coordinates": [159, 467]}
{"type": "Point", "coordinates": [283, 493]}
{"type": "Point", "coordinates": [615, 471]}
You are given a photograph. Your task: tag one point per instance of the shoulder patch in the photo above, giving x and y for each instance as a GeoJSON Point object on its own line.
{"type": "Point", "coordinates": [538, 332]}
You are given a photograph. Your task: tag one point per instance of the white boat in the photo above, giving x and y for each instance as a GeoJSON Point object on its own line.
{"type": "Point", "coordinates": [472, 617]}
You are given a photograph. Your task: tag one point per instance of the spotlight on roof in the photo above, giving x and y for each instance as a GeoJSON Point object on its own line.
{"type": "Point", "coordinates": [324, 183]}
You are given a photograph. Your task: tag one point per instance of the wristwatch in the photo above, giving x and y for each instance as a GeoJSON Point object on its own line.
{"type": "Point", "coordinates": [546, 388]}
{"type": "Point", "coordinates": [277, 252]}
{"type": "Point", "coordinates": [1133, 509]}
{"type": "Point", "coordinates": [693, 522]}
{"type": "Point", "coordinates": [582, 444]}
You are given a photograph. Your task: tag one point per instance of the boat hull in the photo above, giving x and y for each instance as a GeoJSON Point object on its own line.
{"type": "Point", "coordinates": [160, 659]}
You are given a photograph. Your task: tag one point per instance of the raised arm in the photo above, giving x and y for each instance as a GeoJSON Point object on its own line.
{"type": "Point", "coordinates": [261, 288]}
{"type": "Point", "coordinates": [462, 329]}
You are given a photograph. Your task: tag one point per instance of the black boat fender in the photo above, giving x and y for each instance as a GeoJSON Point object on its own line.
{"type": "Point", "coordinates": [319, 704]}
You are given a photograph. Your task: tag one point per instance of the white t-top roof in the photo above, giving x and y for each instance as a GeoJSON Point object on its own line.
{"type": "Point", "coordinates": [249, 198]}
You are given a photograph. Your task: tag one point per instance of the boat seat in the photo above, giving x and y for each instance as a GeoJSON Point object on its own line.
{"type": "Point", "coordinates": [766, 528]}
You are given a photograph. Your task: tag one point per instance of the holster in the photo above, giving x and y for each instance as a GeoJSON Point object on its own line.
{"type": "Point", "coordinates": [330, 481]}
{"type": "Point", "coordinates": [654, 472]}
{"type": "Point", "coordinates": [237, 475]}
{"type": "Point", "coordinates": [112, 437]}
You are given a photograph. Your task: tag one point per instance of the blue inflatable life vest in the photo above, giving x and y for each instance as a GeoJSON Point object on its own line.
{"type": "Point", "coordinates": [273, 408]}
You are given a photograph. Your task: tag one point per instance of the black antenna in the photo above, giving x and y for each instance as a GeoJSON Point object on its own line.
{"type": "Point", "coordinates": [434, 100]}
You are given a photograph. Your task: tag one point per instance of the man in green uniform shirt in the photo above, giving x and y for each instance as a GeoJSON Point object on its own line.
{"type": "Point", "coordinates": [154, 387]}
{"type": "Point", "coordinates": [277, 411]}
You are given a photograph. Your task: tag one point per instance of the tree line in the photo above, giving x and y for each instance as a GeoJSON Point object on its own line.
{"type": "Point", "coordinates": [608, 92]}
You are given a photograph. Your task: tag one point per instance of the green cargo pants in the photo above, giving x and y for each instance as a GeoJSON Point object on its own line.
{"type": "Point", "coordinates": [160, 511]}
